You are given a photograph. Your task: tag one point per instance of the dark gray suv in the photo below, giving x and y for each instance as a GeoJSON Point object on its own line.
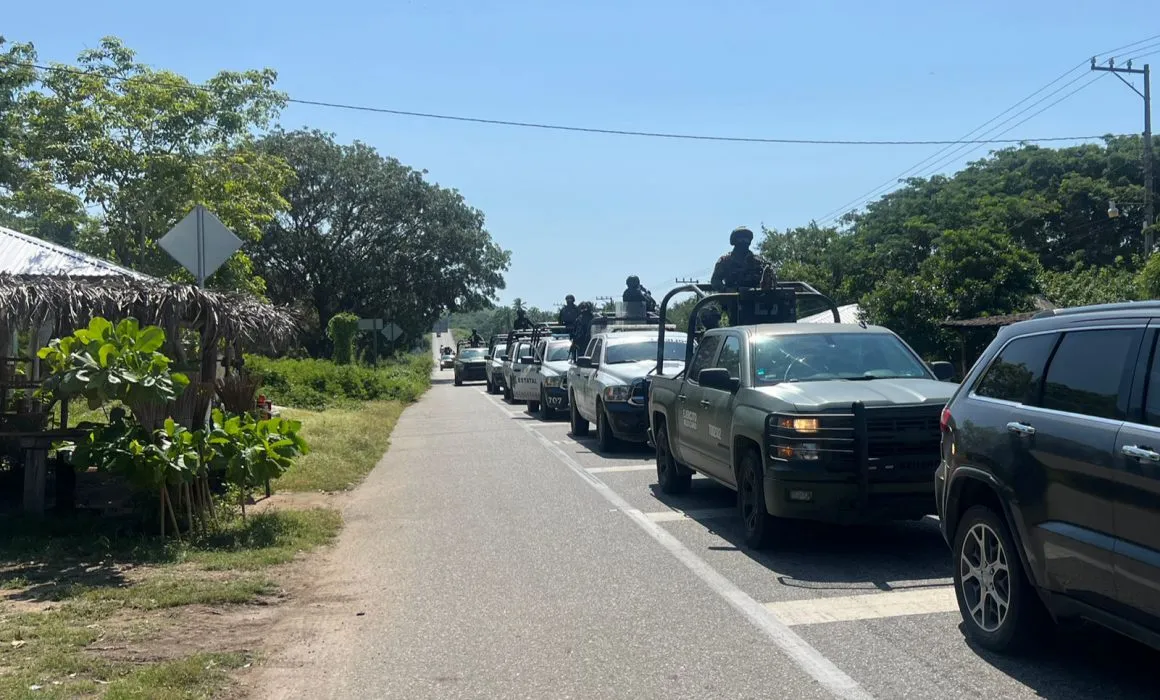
{"type": "Point", "coordinates": [1049, 486]}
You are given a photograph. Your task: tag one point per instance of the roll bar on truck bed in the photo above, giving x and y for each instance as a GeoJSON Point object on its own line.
{"type": "Point", "coordinates": [745, 307]}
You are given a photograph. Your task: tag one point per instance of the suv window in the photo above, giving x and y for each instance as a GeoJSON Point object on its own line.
{"type": "Point", "coordinates": [704, 356]}
{"type": "Point", "coordinates": [730, 357]}
{"type": "Point", "coordinates": [1017, 370]}
{"type": "Point", "coordinates": [1087, 372]}
{"type": "Point", "coordinates": [594, 350]}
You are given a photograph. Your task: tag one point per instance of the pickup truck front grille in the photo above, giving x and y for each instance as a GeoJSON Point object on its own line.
{"type": "Point", "coordinates": [893, 443]}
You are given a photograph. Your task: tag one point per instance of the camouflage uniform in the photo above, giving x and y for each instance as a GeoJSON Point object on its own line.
{"type": "Point", "coordinates": [740, 271]}
{"type": "Point", "coordinates": [568, 314]}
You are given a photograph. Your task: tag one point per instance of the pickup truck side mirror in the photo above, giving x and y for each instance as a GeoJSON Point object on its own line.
{"type": "Point", "coordinates": [943, 370]}
{"type": "Point", "coordinates": [503, 358]}
{"type": "Point", "coordinates": [718, 378]}
{"type": "Point", "coordinates": [527, 360]}
{"type": "Point", "coordinates": [584, 362]}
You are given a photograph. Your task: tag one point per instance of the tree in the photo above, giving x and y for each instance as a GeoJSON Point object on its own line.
{"type": "Point", "coordinates": [819, 256]}
{"type": "Point", "coordinates": [366, 234]}
{"type": "Point", "coordinates": [143, 146]}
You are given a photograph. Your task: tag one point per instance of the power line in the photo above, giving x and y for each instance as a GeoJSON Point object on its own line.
{"type": "Point", "coordinates": [581, 129]}
{"type": "Point", "coordinates": [833, 214]}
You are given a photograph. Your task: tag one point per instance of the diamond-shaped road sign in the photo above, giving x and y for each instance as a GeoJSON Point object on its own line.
{"type": "Point", "coordinates": [200, 242]}
{"type": "Point", "coordinates": [370, 324]}
{"type": "Point", "coordinates": [391, 331]}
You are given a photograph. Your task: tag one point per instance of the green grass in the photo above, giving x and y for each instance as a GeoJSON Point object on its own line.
{"type": "Point", "coordinates": [89, 572]}
{"type": "Point", "coordinates": [345, 445]}
{"type": "Point", "coordinates": [320, 384]}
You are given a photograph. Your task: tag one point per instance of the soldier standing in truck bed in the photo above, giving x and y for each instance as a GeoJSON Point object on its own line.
{"type": "Point", "coordinates": [581, 329]}
{"type": "Point", "coordinates": [740, 268]}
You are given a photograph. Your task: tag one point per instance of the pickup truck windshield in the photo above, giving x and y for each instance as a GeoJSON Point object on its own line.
{"type": "Point", "coordinates": [472, 354]}
{"type": "Point", "coordinates": [500, 349]}
{"type": "Point", "coordinates": [558, 353]}
{"type": "Point", "coordinates": [825, 356]}
{"type": "Point", "coordinates": [621, 353]}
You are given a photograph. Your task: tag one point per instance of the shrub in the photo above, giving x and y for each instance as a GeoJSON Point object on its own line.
{"type": "Point", "coordinates": [318, 384]}
{"type": "Point", "coordinates": [341, 330]}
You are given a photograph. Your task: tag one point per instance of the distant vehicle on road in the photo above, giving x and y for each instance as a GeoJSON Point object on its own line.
{"type": "Point", "coordinates": [470, 365]}
{"type": "Point", "coordinates": [493, 366]}
{"type": "Point", "coordinates": [1049, 488]}
{"type": "Point", "coordinates": [829, 422]}
{"type": "Point", "coordinates": [446, 361]}
{"type": "Point", "coordinates": [544, 381]}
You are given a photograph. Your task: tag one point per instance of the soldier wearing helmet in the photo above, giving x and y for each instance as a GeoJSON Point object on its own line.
{"type": "Point", "coordinates": [635, 292]}
{"type": "Point", "coordinates": [581, 328]}
{"type": "Point", "coordinates": [569, 312]}
{"type": "Point", "coordinates": [740, 268]}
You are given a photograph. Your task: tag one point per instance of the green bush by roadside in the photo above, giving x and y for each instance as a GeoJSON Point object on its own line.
{"type": "Point", "coordinates": [320, 384]}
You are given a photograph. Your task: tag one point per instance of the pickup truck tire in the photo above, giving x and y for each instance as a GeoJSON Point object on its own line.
{"type": "Point", "coordinates": [546, 413]}
{"type": "Point", "coordinates": [673, 478]}
{"type": "Point", "coordinates": [579, 425]}
{"type": "Point", "coordinates": [458, 381]}
{"type": "Point", "coordinates": [605, 440]}
{"type": "Point", "coordinates": [982, 531]}
{"type": "Point", "coordinates": [507, 394]}
{"type": "Point", "coordinates": [490, 387]}
{"type": "Point", "coordinates": [759, 526]}
{"type": "Point", "coordinates": [533, 406]}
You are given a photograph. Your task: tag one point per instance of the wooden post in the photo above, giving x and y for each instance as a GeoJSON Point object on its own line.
{"type": "Point", "coordinates": [35, 473]}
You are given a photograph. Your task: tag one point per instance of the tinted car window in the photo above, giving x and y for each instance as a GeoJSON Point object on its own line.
{"type": "Point", "coordinates": [1016, 372]}
{"type": "Point", "coordinates": [705, 353]}
{"type": "Point", "coordinates": [730, 357]}
{"type": "Point", "coordinates": [1087, 371]}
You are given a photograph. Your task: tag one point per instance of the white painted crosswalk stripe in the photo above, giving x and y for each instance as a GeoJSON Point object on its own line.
{"type": "Point", "coordinates": [665, 516]}
{"type": "Point", "coordinates": [867, 606]}
{"type": "Point", "coordinates": [623, 468]}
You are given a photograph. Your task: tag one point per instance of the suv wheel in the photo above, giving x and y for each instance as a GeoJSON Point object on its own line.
{"type": "Point", "coordinates": [605, 440]}
{"type": "Point", "coordinates": [458, 381]}
{"type": "Point", "coordinates": [579, 425]}
{"type": "Point", "coordinates": [1001, 611]}
{"type": "Point", "coordinates": [671, 476]}
{"type": "Point", "coordinates": [758, 524]}
{"type": "Point", "coordinates": [507, 394]}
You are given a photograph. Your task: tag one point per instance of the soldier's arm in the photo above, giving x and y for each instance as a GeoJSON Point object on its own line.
{"type": "Point", "coordinates": [718, 280]}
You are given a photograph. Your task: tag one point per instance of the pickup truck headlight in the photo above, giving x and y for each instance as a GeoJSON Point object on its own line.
{"type": "Point", "coordinates": [810, 438]}
{"type": "Point", "coordinates": [554, 381]}
{"type": "Point", "coordinates": [616, 393]}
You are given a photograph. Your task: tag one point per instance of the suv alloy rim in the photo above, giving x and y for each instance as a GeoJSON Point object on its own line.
{"type": "Point", "coordinates": [985, 578]}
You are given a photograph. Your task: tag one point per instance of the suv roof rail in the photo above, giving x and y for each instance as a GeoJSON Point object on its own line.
{"type": "Point", "coordinates": [635, 327]}
{"type": "Point", "coordinates": [1096, 308]}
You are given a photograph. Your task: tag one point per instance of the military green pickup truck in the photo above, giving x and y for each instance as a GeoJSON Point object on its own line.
{"type": "Point", "coordinates": [827, 422]}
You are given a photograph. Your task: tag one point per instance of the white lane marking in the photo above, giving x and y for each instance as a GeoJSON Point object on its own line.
{"type": "Point", "coordinates": [868, 606]}
{"type": "Point", "coordinates": [668, 516]}
{"type": "Point", "coordinates": [623, 468]}
{"type": "Point", "coordinates": [809, 659]}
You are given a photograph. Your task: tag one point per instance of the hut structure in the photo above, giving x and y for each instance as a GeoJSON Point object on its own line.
{"type": "Point", "coordinates": [48, 290]}
{"type": "Point", "coordinates": [976, 333]}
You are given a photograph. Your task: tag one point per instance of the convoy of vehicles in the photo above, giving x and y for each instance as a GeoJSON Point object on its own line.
{"type": "Point", "coordinates": [1043, 465]}
{"type": "Point", "coordinates": [446, 360]}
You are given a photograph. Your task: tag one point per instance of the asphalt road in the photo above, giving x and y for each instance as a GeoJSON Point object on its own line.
{"type": "Point", "coordinates": [494, 556]}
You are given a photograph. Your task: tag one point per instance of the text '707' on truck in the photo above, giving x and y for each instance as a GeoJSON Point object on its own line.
{"type": "Point", "coordinates": [813, 421]}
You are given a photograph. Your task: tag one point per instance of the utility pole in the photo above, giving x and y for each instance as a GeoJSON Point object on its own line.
{"type": "Point", "coordinates": [680, 280]}
{"type": "Point", "coordinates": [1149, 211]}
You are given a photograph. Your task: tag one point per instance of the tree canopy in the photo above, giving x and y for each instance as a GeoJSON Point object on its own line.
{"type": "Point", "coordinates": [107, 154]}
{"type": "Point", "coordinates": [1023, 221]}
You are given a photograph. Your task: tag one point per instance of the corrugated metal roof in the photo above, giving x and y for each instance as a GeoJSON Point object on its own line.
{"type": "Point", "coordinates": [850, 313]}
{"type": "Point", "coordinates": [28, 256]}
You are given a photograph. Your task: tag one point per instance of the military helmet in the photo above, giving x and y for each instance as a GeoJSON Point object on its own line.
{"type": "Point", "coordinates": [569, 298]}
{"type": "Point", "coordinates": [739, 233]}
{"type": "Point", "coordinates": [632, 281]}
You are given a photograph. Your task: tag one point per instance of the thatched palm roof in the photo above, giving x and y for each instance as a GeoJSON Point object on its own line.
{"type": "Point", "coordinates": [69, 303]}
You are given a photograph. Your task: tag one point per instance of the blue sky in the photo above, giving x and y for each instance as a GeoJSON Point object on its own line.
{"type": "Point", "coordinates": [581, 212]}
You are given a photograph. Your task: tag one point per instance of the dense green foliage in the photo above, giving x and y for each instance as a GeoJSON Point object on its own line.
{"type": "Point", "coordinates": [108, 154]}
{"type": "Point", "coordinates": [318, 384]}
{"type": "Point", "coordinates": [493, 321]}
{"type": "Point", "coordinates": [341, 329]}
{"type": "Point", "coordinates": [1021, 222]}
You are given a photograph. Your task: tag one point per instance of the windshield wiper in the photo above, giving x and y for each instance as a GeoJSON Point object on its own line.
{"type": "Point", "coordinates": [868, 377]}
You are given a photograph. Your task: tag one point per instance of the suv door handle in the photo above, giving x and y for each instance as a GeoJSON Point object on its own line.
{"type": "Point", "coordinates": [681, 397]}
{"type": "Point", "coordinates": [1020, 428]}
{"type": "Point", "coordinates": [1140, 453]}
{"type": "Point", "coordinates": [706, 403]}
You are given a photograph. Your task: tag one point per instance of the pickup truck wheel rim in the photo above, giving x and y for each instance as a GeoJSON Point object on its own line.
{"type": "Point", "coordinates": [662, 456]}
{"type": "Point", "coordinates": [985, 577]}
{"type": "Point", "coordinates": [749, 499]}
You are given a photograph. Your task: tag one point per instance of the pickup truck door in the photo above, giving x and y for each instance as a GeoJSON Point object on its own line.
{"type": "Point", "coordinates": [583, 389]}
{"type": "Point", "coordinates": [690, 424]}
{"type": "Point", "coordinates": [719, 406]}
